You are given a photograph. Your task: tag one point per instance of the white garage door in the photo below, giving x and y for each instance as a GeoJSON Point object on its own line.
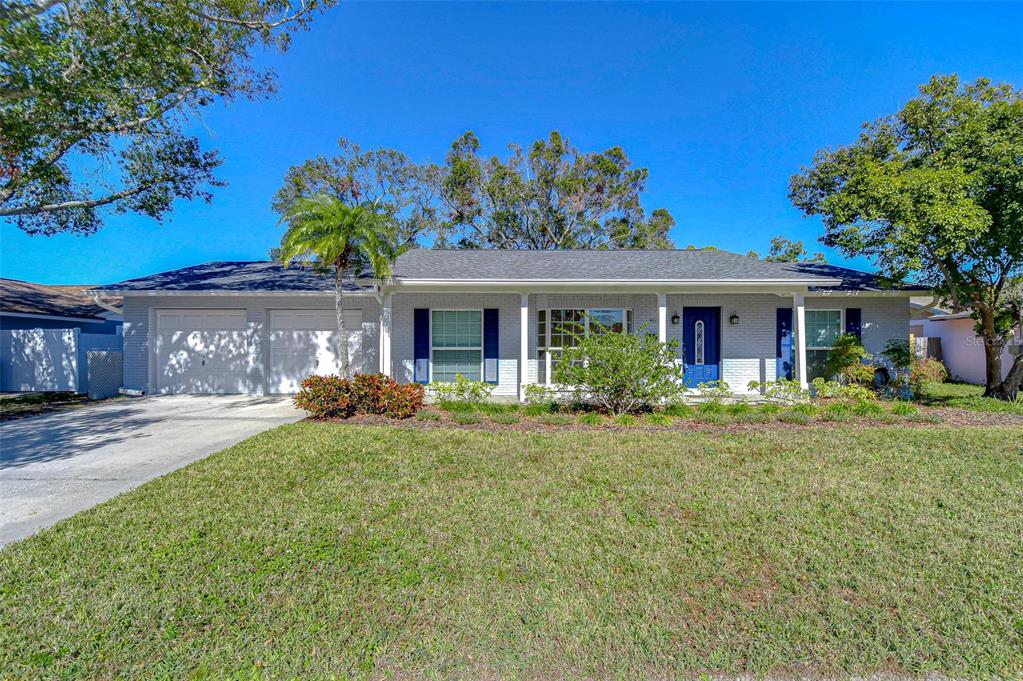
{"type": "Point", "coordinates": [203, 351]}
{"type": "Point", "coordinates": [304, 342]}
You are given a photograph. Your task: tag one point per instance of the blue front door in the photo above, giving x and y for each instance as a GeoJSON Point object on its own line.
{"type": "Point", "coordinates": [701, 340]}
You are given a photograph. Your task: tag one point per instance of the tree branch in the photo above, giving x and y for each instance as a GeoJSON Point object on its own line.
{"type": "Point", "coordinates": [82, 203]}
{"type": "Point", "coordinates": [252, 24]}
{"type": "Point", "coordinates": [17, 13]}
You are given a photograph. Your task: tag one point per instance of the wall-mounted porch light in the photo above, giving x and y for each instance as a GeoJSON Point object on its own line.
{"type": "Point", "coordinates": [675, 319]}
{"type": "Point", "coordinates": [734, 319]}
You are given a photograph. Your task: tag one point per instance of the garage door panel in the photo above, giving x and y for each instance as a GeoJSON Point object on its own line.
{"type": "Point", "coordinates": [203, 351]}
{"type": "Point", "coordinates": [304, 342]}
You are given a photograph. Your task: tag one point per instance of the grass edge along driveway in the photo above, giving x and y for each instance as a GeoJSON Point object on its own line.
{"type": "Point", "coordinates": [321, 549]}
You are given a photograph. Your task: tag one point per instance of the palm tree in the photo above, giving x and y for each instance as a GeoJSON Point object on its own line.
{"type": "Point", "coordinates": [331, 234]}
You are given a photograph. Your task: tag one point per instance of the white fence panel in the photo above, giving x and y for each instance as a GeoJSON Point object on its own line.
{"type": "Point", "coordinates": [39, 360]}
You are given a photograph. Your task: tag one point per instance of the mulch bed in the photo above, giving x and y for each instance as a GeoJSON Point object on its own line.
{"type": "Point", "coordinates": [926, 417]}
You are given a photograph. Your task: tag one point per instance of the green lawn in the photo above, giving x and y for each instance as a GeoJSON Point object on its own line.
{"type": "Point", "coordinates": [966, 396]}
{"type": "Point", "coordinates": [320, 549]}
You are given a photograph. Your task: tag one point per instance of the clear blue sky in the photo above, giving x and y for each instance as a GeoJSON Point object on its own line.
{"type": "Point", "coordinates": [722, 102]}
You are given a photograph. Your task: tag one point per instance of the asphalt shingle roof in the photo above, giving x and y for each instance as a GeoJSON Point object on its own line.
{"type": "Point", "coordinates": [24, 297]}
{"type": "Point", "coordinates": [479, 265]}
{"type": "Point", "coordinates": [567, 265]}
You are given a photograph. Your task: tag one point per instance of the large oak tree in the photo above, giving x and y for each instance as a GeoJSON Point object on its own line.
{"type": "Point", "coordinates": [551, 196]}
{"type": "Point", "coordinates": [96, 97]}
{"type": "Point", "coordinates": [935, 192]}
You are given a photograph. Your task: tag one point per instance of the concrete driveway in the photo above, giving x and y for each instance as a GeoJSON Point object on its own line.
{"type": "Point", "coordinates": [55, 465]}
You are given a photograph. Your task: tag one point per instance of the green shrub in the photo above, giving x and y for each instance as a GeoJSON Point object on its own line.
{"type": "Point", "coordinates": [903, 409]}
{"type": "Point", "coordinates": [754, 417]}
{"type": "Point", "coordinates": [505, 418]}
{"type": "Point", "coordinates": [427, 415]}
{"type": "Point", "coordinates": [540, 394]}
{"type": "Point", "coordinates": [326, 397]}
{"type": "Point", "coordinates": [844, 409]}
{"type": "Point", "coordinates": [538, 409]}
{"type": "Point", "coordinates": [679, 410]}
{"type": "Point", "coordinates": [625, 420]}
{"type": "Point", "coordinates": [865, 408]}
{"type": "Point", "coordinates": [715, 391]}
{"type": "Point", "coordinates": [845, 359]}
{"type": "Point", "coordinates": [467, 418]}
{"type": "Point", "coordinates": [738, 408]}
{"type": "Point", "coordinates": [793, 416]}
{"type": "Point", "coordinates": [659, 419]}
{"type": "Point", "coordinates": [622, 372]}
{"type": "Point", "coordinates": [556, 420]}
{"type": "Point", "coordinates": [847, 392]}
{"type": "Point", "coordinates": [769, 408]}
{"type": "Point", "coordinates": [714, 407]}
{"type": "Point", "coordinates": [927, 370]}
{"type": "Point", "coordinates": [461, 391]}
{"type": "Point", "coordinates": [493, 408]}
{"type": "Point", "coordinates": [805, 408]}
{"type": "Point", "coordinates": [783, 391]}
{"type": "Point", "coordinates": [591, 418]}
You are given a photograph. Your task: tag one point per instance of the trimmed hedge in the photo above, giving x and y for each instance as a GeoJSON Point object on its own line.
{"type": "Point", "coordinates": [325, 397]}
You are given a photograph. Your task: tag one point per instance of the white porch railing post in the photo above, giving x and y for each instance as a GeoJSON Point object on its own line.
{"type": "Point", "coordinates": [662, 317]}
{"type": "Point", "coordinates": [800, 319]}
{"type": "Point", "coordinates": [523, 346]}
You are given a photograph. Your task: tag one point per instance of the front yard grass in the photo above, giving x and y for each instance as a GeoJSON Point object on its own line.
{"type": "Point", "coordinates": [321, 549]}
{"type": "Point", "coordinates": [966, 396]}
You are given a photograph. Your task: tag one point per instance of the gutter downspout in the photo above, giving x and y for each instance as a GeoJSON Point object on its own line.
{"type": "Point", "coordinates": [106, 306]}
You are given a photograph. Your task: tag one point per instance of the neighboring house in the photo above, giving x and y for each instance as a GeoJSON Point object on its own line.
{"type": "Point", "coordinates": [57, 338]}
{"type": "Point", "coordinates": [24, 305]}
{"type": "Point", "coordinates": [498, 316]}
{"type": "Point", "coordinates": [962, 350]}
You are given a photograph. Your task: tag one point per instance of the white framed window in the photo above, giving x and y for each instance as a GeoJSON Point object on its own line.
{"type": "Point", "coordinates": [456, 344]}
{"type": "Point", "coordinates": [560, 328]}
{"type": "Point", "coordinates": [822, 328]}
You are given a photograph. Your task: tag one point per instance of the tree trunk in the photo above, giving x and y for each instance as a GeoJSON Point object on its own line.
{"type": "Point", "coordinates": [993, 346]}
{"type": "Point", "coordinates": [1009, 388]}
{"type": "Point", "coordinates": [339, 304]}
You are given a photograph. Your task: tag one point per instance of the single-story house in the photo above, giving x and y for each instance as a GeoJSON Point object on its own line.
{"type": "Point", "coordinates": [962, 350]}
{"type": "Point", "coordinates": [498, 316]}
{"type": "Point", "coordinates": [24, 305]}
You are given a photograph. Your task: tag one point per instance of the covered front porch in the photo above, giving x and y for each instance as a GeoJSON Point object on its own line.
{"type": "Point", "coordinates": [514, 338]}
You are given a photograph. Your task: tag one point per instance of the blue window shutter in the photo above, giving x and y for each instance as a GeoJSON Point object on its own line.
{"type": "Point", "coordinates": [490, 352]}
{"type": "Point", "coordinates": [421, 344]}
{"type": "Point", "coordinates": [853, 321]}
{"type": "Point", "coordinates": [783, 343]}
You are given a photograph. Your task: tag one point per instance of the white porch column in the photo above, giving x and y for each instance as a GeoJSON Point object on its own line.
{"type": "Point", "coordinates": [385, 335]}
{"type": "Point", "coordinates": [523, 345]}
{"type": "Point", "coordinates": [662, 317]}
{"type": "Point", "coordinates": [800, 319]}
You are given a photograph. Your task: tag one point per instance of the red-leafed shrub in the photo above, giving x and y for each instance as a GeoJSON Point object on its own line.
{"type": "Point", "coordinates": [403, 401]}
{"type": "Point", "coordinates": [335, 397]}
{"type": "Point", "coordinates": [369, 392]}
{"type": "Point", "coordinates": [326, 397]}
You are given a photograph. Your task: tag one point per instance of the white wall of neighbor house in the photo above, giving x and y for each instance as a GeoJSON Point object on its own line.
{"type": "Point", "coordinates": [403, 331]}
{"type": "Point", "coordinates": [140, 314]}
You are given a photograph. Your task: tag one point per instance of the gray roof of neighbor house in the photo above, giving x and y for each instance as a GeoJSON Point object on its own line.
{"type": "Point", "coordinates": [66, 300]}
{"type": "Point", "coordinates": [431, 265]}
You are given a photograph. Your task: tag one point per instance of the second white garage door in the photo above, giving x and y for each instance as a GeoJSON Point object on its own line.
{"type": "Point", "coordinates": [304, 342]}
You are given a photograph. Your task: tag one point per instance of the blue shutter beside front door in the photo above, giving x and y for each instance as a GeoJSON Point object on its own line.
{"type": "Point", "coordinates": [421, 345]}
{"type": "Point", "coordinates": [853, 321]}
{"type": "Point", "coordinates": [783, 343]}
{"type": "Point", "coordinates": [490, 345]}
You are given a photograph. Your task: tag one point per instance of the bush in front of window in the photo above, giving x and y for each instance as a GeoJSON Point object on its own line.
{"type": "Point", "coordinates": [715, 391]}
{"type": "Point", "coordinates": [460, 392]}
{"type": "Point", "coordinates": [621, 372]}
{"type": "Point", "coordinates": [782, 391]}
{"type": "Point", "coordinates": [845, 361]}
{"type": "Point", "coordinates": [541, 395]}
